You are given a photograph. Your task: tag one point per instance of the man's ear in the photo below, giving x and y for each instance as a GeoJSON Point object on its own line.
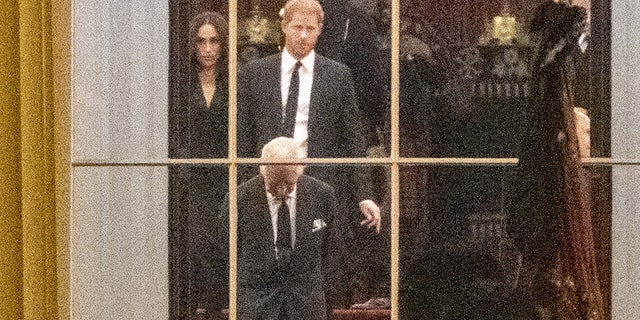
{"type": "Point", "coordinates": [300, 170]}
{"type": "Point", "coordinates": [283, 25]}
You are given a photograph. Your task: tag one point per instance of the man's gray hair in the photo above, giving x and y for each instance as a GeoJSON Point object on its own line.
{"type": "Point", "coordinates": [282, 148]}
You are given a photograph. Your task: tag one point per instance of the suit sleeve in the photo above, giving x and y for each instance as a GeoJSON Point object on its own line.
{"type": "Point", "coordinates": [222, 240]}
{"type": "Point", "coordinates": [334, 248]}
{"type": "Point", "coordinates": [246, 132]}
{"type": "Point", "coordinates": [354, 139]}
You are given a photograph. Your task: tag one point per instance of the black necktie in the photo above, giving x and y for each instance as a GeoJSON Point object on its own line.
{"type": "Point", "coordinates": [289, 119]}
{"type": "Point", "coordinates": [284, 227]}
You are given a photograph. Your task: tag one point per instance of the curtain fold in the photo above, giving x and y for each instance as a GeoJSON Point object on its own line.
{"type": "Point", "coordinates": [29, 100]}
{"type": "Point", "coordinates": [10, 218]}
{"type": "Point", "coordinates": [61, 60]}
{"type": "Point", "coordinates": [37, 161]}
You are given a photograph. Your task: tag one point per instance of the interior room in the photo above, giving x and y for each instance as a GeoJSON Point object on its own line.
{"type": "Point", "coordinates": [497, 139]}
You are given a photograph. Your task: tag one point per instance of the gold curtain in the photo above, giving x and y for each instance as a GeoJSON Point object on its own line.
{"type": "Point", "coordinates": [34, 158]}
{"type": "Point", "coordinates": [10, 224]}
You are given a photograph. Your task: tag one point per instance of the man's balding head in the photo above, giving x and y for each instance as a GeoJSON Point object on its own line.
{"type": "Point", "coordinates": [280, 179]}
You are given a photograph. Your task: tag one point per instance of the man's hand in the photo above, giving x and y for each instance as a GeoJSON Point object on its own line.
{"type": "Point", "coordinates": [371, 212]}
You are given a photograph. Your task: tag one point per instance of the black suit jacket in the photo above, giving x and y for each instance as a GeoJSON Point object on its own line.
{"type": "Point", "coordinates": [334, 127]}
{"type": "Point", "coordinates": [349, 36]}
{"type": "Point", "coordinates": [295, 284]}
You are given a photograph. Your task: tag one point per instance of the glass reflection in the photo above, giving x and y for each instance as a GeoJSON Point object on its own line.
{"type": "Point", "coordinates": [467, 84]}
{"type": "Point", "coordinates": [461, 252]}
{"type": "Point", "coordinates": [198, 281]}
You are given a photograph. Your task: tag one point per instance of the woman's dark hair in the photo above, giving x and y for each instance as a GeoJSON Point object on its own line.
{"type": "Point", "coordinates": [220, 24]}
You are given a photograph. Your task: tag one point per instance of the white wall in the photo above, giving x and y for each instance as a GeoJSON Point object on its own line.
{"type": "Point", "coordinates": [119, 241]}
{"type": "Point", "coordinates": [625, 145]}
{"type": "Point", "coordinates": [120, 80]}
{"type": "Point", "coordinates": [119, 247]}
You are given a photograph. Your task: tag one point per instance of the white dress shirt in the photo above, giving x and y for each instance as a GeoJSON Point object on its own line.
{"type": "Point", "coordinates": [274, 205]}
{"type": "Point", "coordinates": [305, 73]}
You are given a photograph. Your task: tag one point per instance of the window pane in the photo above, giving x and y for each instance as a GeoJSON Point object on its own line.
{"type": "Point", "coordinates": [329, 243]}
{"type": "Point", "coordinates": [453, 240]}
{"type": "Point", "coordinates": [198, 81]}
{"type": "Point", "coordinates": [198, 279]}
{"type": "Point", "coordinates": [469, 82]}
{"type": "Point", "coordinates": [350, 35]}
{"type": "Point", "coordinates": [465, 250]}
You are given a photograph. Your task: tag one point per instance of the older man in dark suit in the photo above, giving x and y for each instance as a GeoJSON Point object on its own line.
{"type": "Point", "coordinates": [290, 240]}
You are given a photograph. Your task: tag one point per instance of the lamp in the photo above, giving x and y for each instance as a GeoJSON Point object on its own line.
{"type": "Point", "coordinates": [503, 29]}
{"type": "Point", "coordinates": [257, 28]}
{"type": "Point", "coordinates": [258, 35]}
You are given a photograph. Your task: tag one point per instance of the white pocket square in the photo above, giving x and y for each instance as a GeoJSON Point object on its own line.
{"type": "Point", "coordinates": [318, 224]}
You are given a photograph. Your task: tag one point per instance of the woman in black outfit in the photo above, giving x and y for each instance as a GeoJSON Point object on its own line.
{"type": "Point", "coordinates": [199, 282]}
{"type": "Point", "coordinates": [206, 125]}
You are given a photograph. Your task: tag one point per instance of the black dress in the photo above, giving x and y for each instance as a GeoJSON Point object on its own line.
{"type": "Point", "coordinates": [205, 131]}
{"type": "Point", "coordinates": [551, 209]}
{"type": "Point", "coordinates": [199, 279]}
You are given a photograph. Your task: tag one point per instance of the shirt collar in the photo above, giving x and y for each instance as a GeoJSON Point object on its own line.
{"type": "Point", "coordinates": [307, 62]}
{"type": "Point", "coordinates": [273, 200]}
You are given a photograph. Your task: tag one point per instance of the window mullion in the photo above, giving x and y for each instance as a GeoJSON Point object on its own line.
{"type": "Point", "coordinates": [233, 166]}
{"type": "Point", "coordinates": [395, 171]}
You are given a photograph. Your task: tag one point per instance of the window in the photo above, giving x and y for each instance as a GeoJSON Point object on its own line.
{"type": "Point", "coordinates": [126, 151]}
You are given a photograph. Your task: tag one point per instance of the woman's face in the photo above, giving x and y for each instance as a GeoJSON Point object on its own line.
{"type": "Point", "coordinates": [207, 46]}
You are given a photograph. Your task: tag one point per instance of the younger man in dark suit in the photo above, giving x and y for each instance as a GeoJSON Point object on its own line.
{"type": "Point", "coordinates": [305, 96]}
{"type": "Point", "coordinates": [290, 240]}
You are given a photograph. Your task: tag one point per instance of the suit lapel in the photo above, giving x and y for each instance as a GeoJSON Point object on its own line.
{"type": "Point", "coordinates": [316, 88]}
{"type": "Point", "coordinates": [304, 212]}
{"type": "Point", "coordinates": [274, 80]}
{"type": "Point", "coordinates": [270, 112]}
{"type": "Point", "coordinates": [317, 122]}
{"type": "Point", "coordinates": [260, 207]}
